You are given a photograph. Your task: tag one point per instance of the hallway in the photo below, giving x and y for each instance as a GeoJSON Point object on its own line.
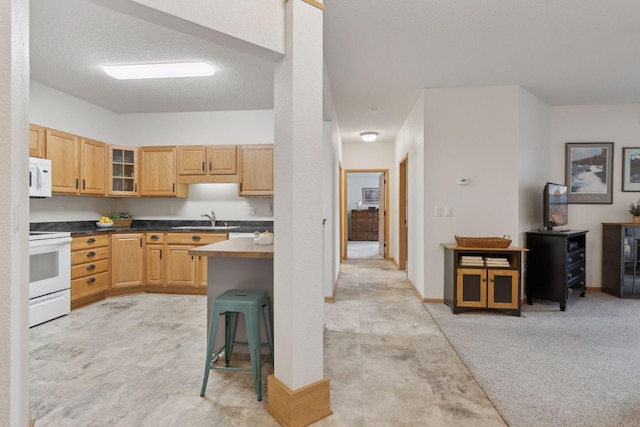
{"type": "Point", "coordinates": [137, 360]}
{"type": "Point", "coordinates": [388, 362]}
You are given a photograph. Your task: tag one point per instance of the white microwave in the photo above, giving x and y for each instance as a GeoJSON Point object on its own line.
{"type": "Point", "coordinates": [39, 177]}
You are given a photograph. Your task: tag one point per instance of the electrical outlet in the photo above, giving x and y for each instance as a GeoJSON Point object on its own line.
{"type": "Point", "coordinates": [448, 211]}
{"type": "Point", "coordinates": [437, 211]}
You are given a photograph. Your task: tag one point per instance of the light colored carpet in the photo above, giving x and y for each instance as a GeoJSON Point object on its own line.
{"type": "Point", "coordinates": [551, 368]}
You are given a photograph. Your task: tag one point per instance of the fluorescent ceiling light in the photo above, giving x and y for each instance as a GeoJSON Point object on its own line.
{"type": "Point", "coordinates": [159, 71]}
{"type": "Point", "coordinates": [369, 136]}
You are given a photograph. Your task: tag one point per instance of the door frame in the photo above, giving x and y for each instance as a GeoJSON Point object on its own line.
{"type": "Point", "coordinates": [344, 209]}
{"type": "Point", "coordinates": [403, 198]}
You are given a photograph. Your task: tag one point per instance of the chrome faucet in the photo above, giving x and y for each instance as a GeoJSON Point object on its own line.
{"type": "Point", "coordinates": [211, 217]}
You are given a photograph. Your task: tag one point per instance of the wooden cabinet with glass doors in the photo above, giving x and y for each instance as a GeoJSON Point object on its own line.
{"type": "Point", "coordinates": [621, 260]}
{"type": "Point", "coordinates": [123, 171]}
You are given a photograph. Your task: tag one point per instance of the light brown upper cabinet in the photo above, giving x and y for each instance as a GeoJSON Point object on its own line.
{"type": "Point", "coordinates": [77, 164]}
{"type": "Point", "coordinates": [93, 163]}
{"type": "Point", "coordinates": [255, 166]}
{"type": "Point", "coordinates": [36, 141]}
{"type": "Point", "coordinates": [207, 163]}
{"type": "Point", "coordinates": [159, 172]}
{"type": "Point", "coordinates": [123, 170]}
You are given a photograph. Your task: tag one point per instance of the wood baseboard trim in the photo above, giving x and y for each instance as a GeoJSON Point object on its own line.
{"type": "Point", "coordinates": [81, 302]}
{"type": "Point", "coordinates": [332, 298]}
{"type": "Point", "coordinates": [433, 300]}
{"type": "Point", "coordinates": [176, 290]}
{"type": "Point", "coordinates": [301, 407]}
{"type": "Point", "coordinates": [414, 289]}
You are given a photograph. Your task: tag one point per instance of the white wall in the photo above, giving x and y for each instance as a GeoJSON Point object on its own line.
{"type": "Point", "coordinates": [55, 109]}
{"type": "Point", "coordinates": [410, 144]}
{"type": "Point", "coordinates": [534, 154]}
{"type": "Point", "coordinates": [14, 251]}
{"type": "Point", "coordinates": [470, 133]}
{"type": "Point", "coordinates": [619, 124]}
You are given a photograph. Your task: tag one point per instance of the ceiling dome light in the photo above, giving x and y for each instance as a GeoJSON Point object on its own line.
{"type": "Point", "coordinates": [159, 71]}
{"type": "Point", "coordinates": [369, 136]}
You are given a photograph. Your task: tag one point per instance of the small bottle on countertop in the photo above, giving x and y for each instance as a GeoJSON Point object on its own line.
{"type": "Point", "coordinates": [256, 236]}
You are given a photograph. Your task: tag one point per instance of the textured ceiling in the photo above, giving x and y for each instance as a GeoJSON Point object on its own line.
{"type": "Point", "coordinates": [379, 54]}
{"type": "Point", "coordinates": [72, 39]}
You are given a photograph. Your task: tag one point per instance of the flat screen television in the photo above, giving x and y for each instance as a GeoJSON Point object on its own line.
{"type": "Point", "coordinates": [555, 206]}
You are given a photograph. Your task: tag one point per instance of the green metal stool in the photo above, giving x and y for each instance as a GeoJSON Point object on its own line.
{"type": "Point", "coordinates": [248, 302]}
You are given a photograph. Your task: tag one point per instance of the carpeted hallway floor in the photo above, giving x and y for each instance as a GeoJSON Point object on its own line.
{"type": "Point", "coordinates": [137, 361]}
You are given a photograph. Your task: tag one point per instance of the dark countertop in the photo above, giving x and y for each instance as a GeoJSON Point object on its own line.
{"type": "Point", "coordinates": [78, 228]}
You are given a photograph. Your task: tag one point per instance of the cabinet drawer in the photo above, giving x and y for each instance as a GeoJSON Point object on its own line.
{"type": "Point", "coordinates": [90, 285]}
{"type": "Point", "coordinates": [87, 255]}
{"type": "Point", "coordinates": [154, 237]}
{"type": "Point", "coordinates": [89, 268]}
{"type": "Point", "coordinates": [195, 238]}
{"type": "Point", "coordinates": [575, 257]}
{"type": "Point", "coordinates": [577, 271]}
{"type": "Point", "coordinates": [85, 242]}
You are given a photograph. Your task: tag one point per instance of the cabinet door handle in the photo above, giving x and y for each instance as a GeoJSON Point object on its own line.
{"type": "Point", "coordinates": [210, 166]}
{"type": "Point", "coordinates": [155, 237]}
{"type": "Point", "coordinates": [76, 183]}
{"type": "Point", "coordinates": [91, 253]}
{"type": "Point", "coordinates": [90, 267]}
{"type": "Point", "coordinates": [91, 279]}
{"type": "Point", "coordinates": [140, 241]}
{"type": "Point", "coordinates": [135, 188]}
{"type": "Point", "coordinates": [91, 240]}
{"type": "Point", "coordinates": [160, 253]}
{"type": "Point", "coordinates": [196, 237]}
{"type": "Point", "coordinates": [84, 184]}
{"type": "Point", "coordinates": [174, 187]}
{"type": "Point", "coordinates": [202, 166]}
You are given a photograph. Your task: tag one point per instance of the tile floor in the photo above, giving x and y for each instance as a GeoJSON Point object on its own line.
{"type": "Point", "coordinates": [137, 361]}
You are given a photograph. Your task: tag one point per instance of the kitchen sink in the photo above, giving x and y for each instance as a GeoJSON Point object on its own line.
{"type": "Point", "coordinates": [206, 227]}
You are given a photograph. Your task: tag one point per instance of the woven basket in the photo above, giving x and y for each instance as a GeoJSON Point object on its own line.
{"type": "Point", "coordinates": [122, 222]}
{"type": "Point", "coordinates": [483, 242]}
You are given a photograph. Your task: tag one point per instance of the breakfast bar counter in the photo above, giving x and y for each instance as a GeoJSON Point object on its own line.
{"type": "Point", "coordinates": [241, 247]}
{"type": "Point", "coordinates": [236, 264]}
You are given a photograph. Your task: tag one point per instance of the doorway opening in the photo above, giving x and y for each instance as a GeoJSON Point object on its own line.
{"type": "Point", "coordinates": [364, 208]}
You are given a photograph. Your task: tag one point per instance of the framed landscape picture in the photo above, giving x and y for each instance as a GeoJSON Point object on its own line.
{"type": "Point", "coordinates": [370, 195]}
{"type": "Point", "coordinates": [631, 169]}
{"type": "Point", "coordinates": [589, 172]}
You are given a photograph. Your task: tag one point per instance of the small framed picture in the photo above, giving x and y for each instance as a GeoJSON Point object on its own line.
{"type": "Point", "coordinates": [589, 172]}
{"type": "Point", "coordinates": [631, 169]}
{"type": "Point", "coordinates": [370, 196]}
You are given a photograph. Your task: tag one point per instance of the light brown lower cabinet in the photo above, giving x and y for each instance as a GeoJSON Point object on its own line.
{"type": "Point", "coordinates": [185, 270]}
{"type": "Point", "coordinates": [121, 263]}
{"type": "Point", "coordinates": [154, 259]}
{"type": "Point", "coordinates": [127, 262]}
{"type": "Point", "coordinates": [89, 269]}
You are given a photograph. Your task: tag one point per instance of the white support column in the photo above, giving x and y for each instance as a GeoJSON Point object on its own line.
{"type": "Point", "coordinates": [298, 391]}
{"type": "Point", "coordinates": [14, 211]}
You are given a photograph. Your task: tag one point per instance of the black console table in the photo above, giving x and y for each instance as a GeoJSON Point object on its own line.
{"type": "Point", "coordinates": [556, 265]}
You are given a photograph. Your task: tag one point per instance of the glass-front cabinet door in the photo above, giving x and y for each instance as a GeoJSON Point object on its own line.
{"type": "Point", "coordinates": [631, 256]}
{"type": "Point", "coordinates": [123, 171]}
